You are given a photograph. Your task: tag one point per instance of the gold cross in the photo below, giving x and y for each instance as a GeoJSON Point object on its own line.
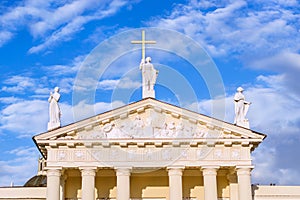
{"type": "Point", "coordinates": [143, 42]}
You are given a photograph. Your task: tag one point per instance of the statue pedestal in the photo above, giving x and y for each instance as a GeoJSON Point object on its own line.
{"type": "Point", "coordinates": [148, 93]}
{"type": "Point", "coordinates": [244, 123]}
{"type": "Point", "coordinates": [52, 126]}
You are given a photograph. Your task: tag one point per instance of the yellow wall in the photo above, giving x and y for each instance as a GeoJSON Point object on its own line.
{"type": "Point", "coordinates": [106, 184]}
{"type": "Point", "coordinates": [192, 182]}
{"type": "Point", "coordinates": [149, 185]}
{"type": "Point", "coordinates": [73, 187]}
{"type": "Point", "coordinates": [223, 187]}
{"type": "Point", "coordinates": [153, 184]}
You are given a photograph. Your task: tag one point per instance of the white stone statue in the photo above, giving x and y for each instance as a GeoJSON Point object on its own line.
{"type": "Point", "coordinates": [241, 108]}
{"type": "Point", "coordinates": [54, 110]}
{"type": "Point", "coordinates": [149, 75]}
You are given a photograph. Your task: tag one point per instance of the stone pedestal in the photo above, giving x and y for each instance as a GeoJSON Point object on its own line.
{"type": "Point", "coordinates": [148, 93]}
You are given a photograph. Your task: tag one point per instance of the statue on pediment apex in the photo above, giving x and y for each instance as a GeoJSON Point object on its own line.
{"type": "Point", "coordinates": [149, 75]}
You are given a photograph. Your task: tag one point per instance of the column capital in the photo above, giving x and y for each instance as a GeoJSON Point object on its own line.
{"type": "Point", "coordinates": [244, 170]}
{"type": "Point", "coordinates": [54, 171]}
{"type": "Point", "coordinates": [123, 171]}
{"type": "Point", "coordinates": [175, 170]}
{"type": "Point", "coordinates": [209, 170]}
{"type": "Point", "coordinates": [88, 171]}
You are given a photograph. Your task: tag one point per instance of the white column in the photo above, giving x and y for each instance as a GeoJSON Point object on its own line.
{"type": "Point", "coordinates": [175, 182]}
{"type": "Point", "coordinates": [210, 182]}
{"type": "Point", "coordinates": [88, 183]}
{"type": "Point", "coordinates": [53, 183]}
{"type": "Point", "coordinates": [123, 183]}
{"type": "Point", "coordinates": [244, 182]}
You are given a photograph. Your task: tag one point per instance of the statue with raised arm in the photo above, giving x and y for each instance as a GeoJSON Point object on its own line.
{"type": "Point", "coordinates": [241, 108]}
{"type": "Point", "coordinates": [54, 110]}
{"type": "Point", "coordinates": [149, 75]}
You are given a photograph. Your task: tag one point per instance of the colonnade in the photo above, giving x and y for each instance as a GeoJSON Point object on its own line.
{"type": "Point", "coordinates": [175, 182]}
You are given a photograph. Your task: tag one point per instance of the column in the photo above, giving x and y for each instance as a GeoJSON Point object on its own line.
{"type": "Point", "coordinates": [53, 183]}
{"type": "Point", "coordinates": [210, 182]}
{"type": "Point", "coordinates": [123, 183]}
{"type": "Point", "coordinates": [175, 182]}
{"type": "Point", "coordinates": [244, 182]}
{"type": "Point", "coordinates": [88, 183]}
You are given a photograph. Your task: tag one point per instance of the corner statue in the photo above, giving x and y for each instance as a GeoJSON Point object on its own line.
{"type": "Point", "coordinates": [149, 75]}
{"type": "Point", "coordinates": [54, 110]}
{"type": "Point", "coordinates": [241, 108]}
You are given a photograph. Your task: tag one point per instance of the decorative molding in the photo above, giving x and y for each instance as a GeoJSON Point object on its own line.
{"type": "Point", "coordinates": [209, 170]}
{"type": "Point", "coordinates": [88, 171]}
{"type": "Point", "coordinates": [123, 171]}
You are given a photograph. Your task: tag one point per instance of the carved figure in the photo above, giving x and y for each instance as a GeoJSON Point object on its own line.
{"type": "Point", "coordinates": [241, 108]}
{"type": "Point", "coordinates": [138, 126]}
{"type": "Point", "coordinates": [149, 75]}
{"type": "Point", "coordinates": [54, 110]}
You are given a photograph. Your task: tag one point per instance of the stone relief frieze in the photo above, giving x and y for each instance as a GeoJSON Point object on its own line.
{"type": "Point", "coordinates": [152, 127]}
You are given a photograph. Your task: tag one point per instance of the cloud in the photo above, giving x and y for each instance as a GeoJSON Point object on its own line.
{"type": "Point", "coordinates": [268, 168]}
{"type": "Point", "coordinates": [9, 100]}
{"type": "Point", "coordinates": [249, 30]}
{"type": "Point", "coordinates": [19, 169]}
{"type": "Point", "coordinates": [125, 83]}
{"type": "Point", "coordinates": [4, 37]}
{"type": "Point", "coordinates": [30, 114]}
{"type": "Point", "coordinates": [287, 64]}
{"type": "Point", "coordinates": [277, 114]}
{"type": "Point", "coordinates": [53, 22]}
{"type": "Point", "coordinates": [33, 114]}
{"type": "Point", "coordinates": [21, 83]}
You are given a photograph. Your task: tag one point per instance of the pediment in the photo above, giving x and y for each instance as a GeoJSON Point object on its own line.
{"type": "Point", "coordinates": [149, 119]}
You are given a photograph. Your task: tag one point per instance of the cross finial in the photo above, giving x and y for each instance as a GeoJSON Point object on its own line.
{"type": "Point", "coordinates": [143, 42]}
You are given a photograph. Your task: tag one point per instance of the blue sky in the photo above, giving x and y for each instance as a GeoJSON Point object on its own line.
{"type": "Point", "coordinates": [254, 44]}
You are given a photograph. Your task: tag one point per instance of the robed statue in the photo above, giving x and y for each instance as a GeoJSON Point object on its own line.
{"type": "Point", "coordinates": [149, 75]}
{"type": "Point", "coordinates": [54, 110]}
{"type": "Point", "coordinates": [241, 108]}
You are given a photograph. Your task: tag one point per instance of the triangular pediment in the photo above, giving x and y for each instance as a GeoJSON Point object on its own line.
{"type": "Point", "coordinates": [149, 119]}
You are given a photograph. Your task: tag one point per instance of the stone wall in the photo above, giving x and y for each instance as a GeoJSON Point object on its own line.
{"type": "Point", "coordinates": [20, 193]}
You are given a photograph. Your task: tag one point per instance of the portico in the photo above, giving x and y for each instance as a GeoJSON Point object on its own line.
{"type": "Point", "coordinates": [149, 150]}
{"type": "Point", "coordinates": [169, 183]}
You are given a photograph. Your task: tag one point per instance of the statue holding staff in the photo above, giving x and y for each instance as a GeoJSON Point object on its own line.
{"type": "Point", "coordinates": [241, 108]}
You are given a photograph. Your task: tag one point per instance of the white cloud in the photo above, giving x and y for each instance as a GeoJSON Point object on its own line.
{"type": "Point", "coordinates": [33, 114]}
{"type": "Point", "coordinates": [19, 169]}
{"type": "Point", "coordinates": [64, 34]}
{"type": "Point", "coordinates": [249, 29]}
{"type": "Point", "coordinates": [21, 83]}
{"type": "Point", "coordinates": [277, 114]}
{"type": "Point", "coordinates": [4, 37]}
{"type": "Point", "coordinates": [9, 100]}
{"type": "Point", "coordinates": [268, 167]}
{"type": "Point", "coordinates": [125, 83]}
{"type": "Point", "coordinates": [30, 114]}
{"type": "Point", "coordinates": [53, 22]}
